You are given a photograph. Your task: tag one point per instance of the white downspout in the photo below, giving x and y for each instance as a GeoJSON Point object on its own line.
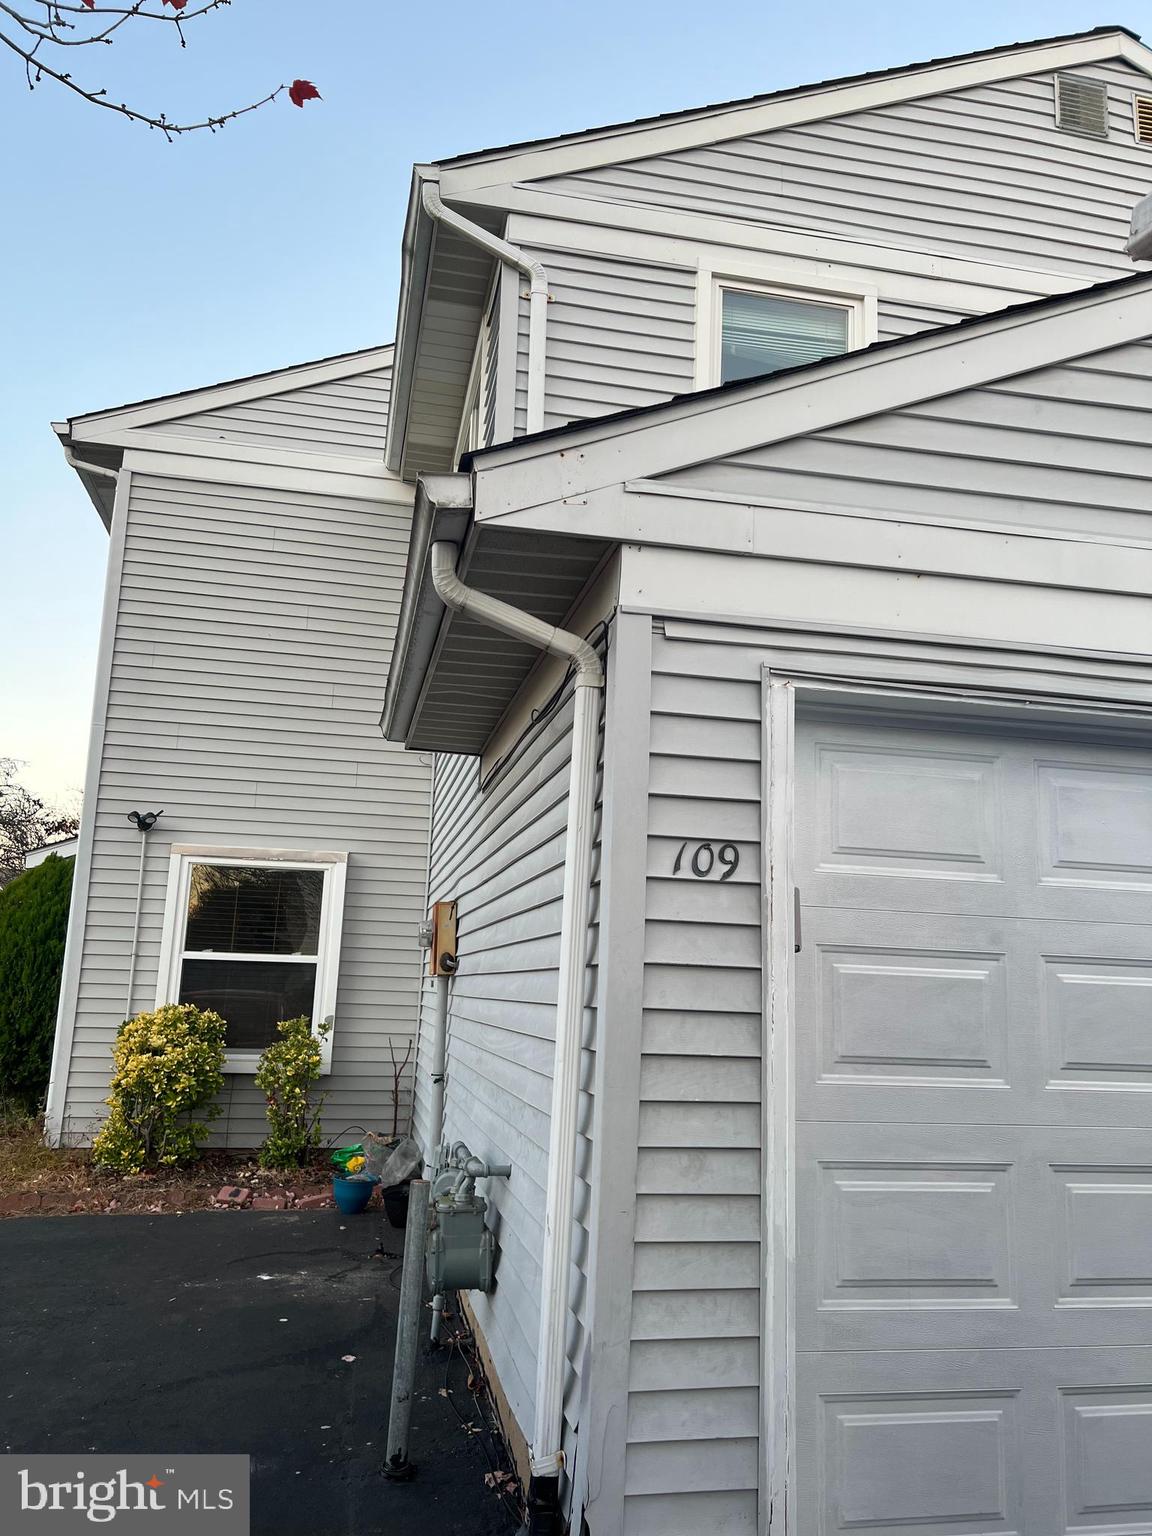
{"type": "Point", "coordinates": [547, 1457]}
{"type": "Point", "coordinates": [537, 292]}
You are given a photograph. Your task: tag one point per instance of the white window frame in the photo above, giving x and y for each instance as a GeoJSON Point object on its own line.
{"type": "Point", "coordinates": [172, 952]}
{"type": "Point", "coordinates": [859, 299]}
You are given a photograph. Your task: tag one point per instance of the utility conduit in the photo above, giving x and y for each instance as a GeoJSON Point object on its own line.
{"type": "Point", "coordinates": [547, 1458]}
{"type": "Point", "coordinates": [537, 292]}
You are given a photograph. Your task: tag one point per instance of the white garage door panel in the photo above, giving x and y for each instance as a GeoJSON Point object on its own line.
{"type": "Point", "coordinates": [1017, 1238]}
{"type": "Point", "coordinates": [973, 1158]}
{"type": "Point", "coordinates": [1044, 1442]}
{"type": "Point", "coordinates": [1003, 826]}
{"type": "Point", "coordinates": [974, 1019]}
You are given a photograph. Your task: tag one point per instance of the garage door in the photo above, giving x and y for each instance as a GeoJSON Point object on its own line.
{"type": "Point", "coordinates": [973, 1306]}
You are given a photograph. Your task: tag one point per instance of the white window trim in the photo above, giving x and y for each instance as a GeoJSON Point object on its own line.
{"type": "Point", "coordinates": [184, 855]}
{"type": "Point", "coordinates": [859, 299]}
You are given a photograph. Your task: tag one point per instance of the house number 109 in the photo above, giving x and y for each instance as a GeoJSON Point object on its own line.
{"type": "Point", "coordinates": [705, 860]}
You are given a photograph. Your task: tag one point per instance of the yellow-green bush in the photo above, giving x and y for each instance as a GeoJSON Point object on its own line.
{"type": "Point", "coordinates": [287, 1070]}
{"type": "Point", "coordinates": [168, 1067]}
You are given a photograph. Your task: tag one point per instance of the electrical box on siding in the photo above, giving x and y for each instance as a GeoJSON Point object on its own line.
{"type": "Point", "coordinates": [442, 955]}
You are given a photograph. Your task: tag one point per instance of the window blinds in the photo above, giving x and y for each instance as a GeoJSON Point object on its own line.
{"type": "Point", "coordinates": [763, 333]}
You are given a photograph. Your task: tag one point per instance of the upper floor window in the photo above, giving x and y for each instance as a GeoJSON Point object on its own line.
{"type": "Point", "coordinates": [762, 330]}
{"type": "Point", "coordinates": [253, 935]}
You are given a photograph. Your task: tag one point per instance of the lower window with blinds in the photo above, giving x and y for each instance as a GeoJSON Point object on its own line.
{"type": "Point", "coordinates": [763, 331]}
{"type": "Point", "coordinates": [253, 935]}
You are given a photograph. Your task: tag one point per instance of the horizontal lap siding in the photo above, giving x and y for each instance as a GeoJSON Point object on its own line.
{"type": "Point", "coordinates": [1067, 447]}
{"type": "Point", "coordinates": [693, 1420]}
{"type": "Point", "coordinates": [620, 334]}
{"type": "Point", "coordinates": [344, 416]}
{"type": "Point", "coordinates": [898, 318]}
{"type": "Point", "coordinates": [252, 642]}
{"type": "Point", "coordinates": [982, 173]}
{"type": "Point", "coordinates": [498, 852]}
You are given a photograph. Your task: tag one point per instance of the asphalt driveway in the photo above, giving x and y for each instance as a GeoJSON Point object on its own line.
{"type": "Point", "coordinates": [226, 1331]}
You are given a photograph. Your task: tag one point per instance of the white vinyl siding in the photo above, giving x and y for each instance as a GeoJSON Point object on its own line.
{"type": "Point", "coordinates": [983, 173]}
{"type": "Point", "coordinates": [344, 416]}
{"type": "Point", "coordinates": [620, 334]}
{"type": "Point", "coordinates": [253, 633]}
{"type": "Point", "coordinates": [498, 852]}
{"type": "Point", "coordinates": [899, 318]}
{"type": "Point", "coordinates": [1062, 448]}
{"type": "Point", "coordinates": [693, 1446]}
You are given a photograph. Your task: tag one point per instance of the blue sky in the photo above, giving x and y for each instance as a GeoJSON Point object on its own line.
{"type": "Point", "coordinates": [132, 267]}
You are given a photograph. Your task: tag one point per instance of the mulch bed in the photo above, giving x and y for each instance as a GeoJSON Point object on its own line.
{"type": "Point", "coordinates": [37, 1181]}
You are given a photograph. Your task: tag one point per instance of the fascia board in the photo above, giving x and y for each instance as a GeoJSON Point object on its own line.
{"type": "Point", "coordinates": [633, 143]}
{"type": "Point", "coordinates": [95, 426]}
{"type": "Point", "coordinates": [712, 426]}
{"type": "Point", "coordinates": [652, 514]}
{"type": "Point", "coordinates": [227, 463]}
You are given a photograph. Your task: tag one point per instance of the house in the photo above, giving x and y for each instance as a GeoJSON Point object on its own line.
{"type": "Point", "coordinates": [62, 848]}
{"type": "Point", "coordinates": [830, 447]}
{"type": "Point", "coordinates": [777, 611]}
{"type": "Point", "coordinates": [255, 566]}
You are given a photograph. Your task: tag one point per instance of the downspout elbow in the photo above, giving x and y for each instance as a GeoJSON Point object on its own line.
{"type": "Point", "coordinates": [537, 276]}
{"type": "Point", "coordinates": [437, 209]}
{"type": "Point", "coordinates": [454, 594]}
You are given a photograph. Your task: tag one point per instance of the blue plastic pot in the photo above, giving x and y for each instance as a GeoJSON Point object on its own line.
{"type": "Point", "coordinates": [352, 1195]}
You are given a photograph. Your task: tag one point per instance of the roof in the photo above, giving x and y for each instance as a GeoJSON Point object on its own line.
{"type": "Point", "coordinates": [535, 492]}
{"type": "Point", "coordinates": [445, 283]}
{"type": "Point", "coordinates": [793, 90]}
{"type": "Point", "coordinates": [244, 378]}
{"type": "Point", "coordinates": [62, 848]}
{"type": "Point", "coordinates": [99, 437]}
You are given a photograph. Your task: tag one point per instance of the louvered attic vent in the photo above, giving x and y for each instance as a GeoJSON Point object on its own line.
{"type": "Point", "coordinates": [1142, 112]}
{"type": "Point", "coordinates": [1082, 106]}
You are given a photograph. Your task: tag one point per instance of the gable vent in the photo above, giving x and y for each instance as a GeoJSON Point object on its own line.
{"type": "Point", "coordinates": [1082, 106]}
{"type": "Point", "coordinates": [1142, 113]}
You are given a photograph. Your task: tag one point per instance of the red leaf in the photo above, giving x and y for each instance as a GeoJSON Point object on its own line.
{"type": "Point", "coordinates": [91, 4]}
{"type": "Point", "coordinates": [177, 5]}
{"type": "Point", "coordinates": [301, 91]}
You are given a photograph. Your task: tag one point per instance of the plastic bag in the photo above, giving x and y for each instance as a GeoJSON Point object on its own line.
{"type": "Point", "coordinates": [392, 1164]}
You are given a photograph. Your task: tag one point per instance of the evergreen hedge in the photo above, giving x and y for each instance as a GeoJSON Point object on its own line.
{"type": "Point", "coordinates": [33, 924]}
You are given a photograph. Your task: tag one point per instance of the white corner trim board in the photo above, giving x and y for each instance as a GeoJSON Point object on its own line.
{"type": "Point", "coordinates": [74, 943]}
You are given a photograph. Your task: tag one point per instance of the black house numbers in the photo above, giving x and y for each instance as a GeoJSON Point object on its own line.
{"type": "Point", "coordinates": [707, 861]}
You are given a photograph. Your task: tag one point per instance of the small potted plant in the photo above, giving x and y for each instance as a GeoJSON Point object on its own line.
{"type": "Point", "coordinates": [353, 1190]}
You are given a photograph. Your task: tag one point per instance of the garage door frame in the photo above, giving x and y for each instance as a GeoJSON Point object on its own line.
{"type": "Point", "coordinates": [784, 693]}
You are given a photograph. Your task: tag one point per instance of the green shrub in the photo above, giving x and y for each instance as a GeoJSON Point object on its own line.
{"type": "Point", "coordinates": [287, 1070]}
{"type": "Point", "coordinates": [168, 1066]}
{"type": "Point", "coordinates": [33, 926]}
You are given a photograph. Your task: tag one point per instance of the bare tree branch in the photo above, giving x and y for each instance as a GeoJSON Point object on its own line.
{"type": "Point", "coordinates": [42, 33]}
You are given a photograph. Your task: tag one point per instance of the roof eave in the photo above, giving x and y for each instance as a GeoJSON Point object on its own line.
{"type": "Point", "coordinates": [100, 489]}
{"type": "Point", "coordinates": [415, 260]}
{"type": "Point", "coordinates": [443, 512]}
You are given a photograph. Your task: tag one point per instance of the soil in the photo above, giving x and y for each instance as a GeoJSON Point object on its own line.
{"type": "Point", "coordinates": [42, 1181]}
